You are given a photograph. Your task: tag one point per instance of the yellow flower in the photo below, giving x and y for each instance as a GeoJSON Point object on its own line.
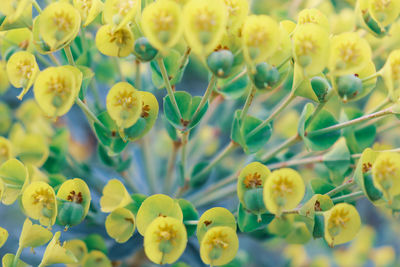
{"type": "Point", "coordinates": [342, 223]}
{"type": "Point", "coordinates": [57, 25]}
{"type": "Point", "coordinates": [15, 178]}
{"type": "Point", "coordinates": [204, 24]}
{"type": "Point", "coordinates": [96, 259]}
{"type": "Point", "coordinates": [120, 12]}
{"type": "Point", "coordinates": [165, 240]}
{"type": "Point", "coordinates": [214, 217]}
{"type": "Point", "coordinates": [162, 24]}
{"type": "Point", "coordinates": [78, 248]}
{"type": "Point", "coordinates": [22, 70]}
{"type": "Point", "coordinates": [56, 253]}
{"type": "Point", "coordinates": [260, 38]}
{"type": "Point", "coordinates": [284, 49]}
{"type": "Point", "coordinates": [39, 202]}
{"type": "Point", "coordinates": [384, 12]}
{"type": "Point", "coordinates": [115, 43]}
{"type": "Point", "coordinates": [14, 9]}
{"type": "Point", "coordinates": [5, 150]}
{"type": "Point", "coordinates": [120, 224]}
{"type": "Point", "coordinates": [349, 53]}
{"type": "Point", "coordinates": [311, 48]}
{"type": "Point", "coordinates": [283, 190]}
{"type": "Point", "coordinates": [237, 13]}
{"type": "Point", "coordinates": [115, 196]}
{"type": "Point", "coordinates": [3, 236]}
{"type": "Point", "coordinates": [313, 16]}
{"type": "Point", "coordinates": [124, 104]}
{"type": "Point", "coordinates": [21, 38]}
{"type": "Point", "coordinates": [4, 83]}
{"type": "Point", "coordinates": [8, 260]}
{"type": "Point", "coordinates": [157, 206]}
{"type": "Point", "coordinates": [219, 246]}
{"type": "Point", "coordinates": [56, 89]}
{"type": "Point", "coordinates": [33, 235]}
{"type": "Point", "coordinates": [391, 74]}
{"type": "Point", "coordinates": [386, 173]}
{"type": "Point", "coordinates": [89, 9]}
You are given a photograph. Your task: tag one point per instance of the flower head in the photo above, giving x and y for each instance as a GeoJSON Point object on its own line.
{"type": "Point", "coordinates": [214, 217]}
{"type": "Point", "coordinates": [96, 258]}
{"type": "Point", "coordinates": [78, 248]}
{"type": "Point", "coordinates": [89, 9]}
{"type": "Point", "coordinates": [391, 74]}
{"type": "Point", "coordinates": [313, 16]}
{"type": "Point", "coordinates": [115, 196]}
{"type": "Point", "coordinates": [57, 253]}
{"type": "Point", "coordinates": [384, 12]}
{"type": "Point", "coordinates": [3, 236]}
{"type": "Point", "coordinates": [14, 178]}
{"type": "Point", "coordinates": [120, 224]}
{"type": "Point", "coordinates": [237, 13]}
{"type": "Point", "coordinates": [114, 42]}
{"type": "Point", "coordinates": [386, 174]}
{"type": "Point", "coordinates": [33, 235]}
{"type": "Point", "coordinates": [120, 12]}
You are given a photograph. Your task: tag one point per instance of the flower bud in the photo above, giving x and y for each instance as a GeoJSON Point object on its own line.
{"type": "Point", "coordinates": [265, 76]}
{"type": "Point", "coordinates": [349, 86]}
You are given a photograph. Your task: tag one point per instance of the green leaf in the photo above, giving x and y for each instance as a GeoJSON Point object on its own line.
{"type": "Point", "coordinates": [302, 84]}
{"type": "Point", "coordinates": [189, 214]}
{"type": "Point", "coordinates": [136, 203]}
{"type": "Point", "coordinates": [187, 106]}
{"type": "Point", "coordinates": [111, 138]}
{"type": "Point", "coordinates": [338, 158]}
{"type": "Point", "coordinates": [300, 234]}
{"type": "Point", "coordinates": [251, 143]}
{"type": "Point", "coordinates": [321, 186]}
{"type": "Point", "coordinates": [248, 221]}
{"type": "Point", "coordinates": [172, 63]}
{"type": "Point", "coordinates": [199, 180]}
{"type": "Point", "coordinates": [317, 203]}
{"type": "Point", "coordinates": [231, 88]}
{"type": "Point", "coordinates": [319, 226]}
{"type": "Point", "coordinates": [136, 130]}
{"type": "Point", "coordinates": [96, 242]}
{"type": "Point", "coordinates": [104, 157]}
{"type": "Point", "coordinates": [88, 75]}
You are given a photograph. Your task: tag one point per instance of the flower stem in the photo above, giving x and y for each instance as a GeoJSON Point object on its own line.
{"type": "Point", "coordinates": [138, 82]}
{"type": "Point", "coordinates": [185, 139]}
{"type": "Point", "coordinates": [54, 59]}
{"type": "Point", "coordinates": [224, 192]}
{"type": "Point", "coordinates": [248, 102]}
{"type": "Point", "coordinates": [16, 257]}
{"type": "Point", "coordinates": [89, 114]}
{"type": "Point", "coordinates": [151, 178]}
{"type": "Point", "coordinates": [349, 197]}
{"type": "Point", "coordinates": [380, 106]}
{"type": "Point", "coordinates": [36, 6]}
{"type": "Point", "coordinates": [339, 126]}
{"type": "Point", "coordinates": [288, 143]}
{"type": "Point", "coordinates": [275, 113]}
{"type": "Point", "coordinates": [205, 97]}
{"type": "Point", "coordinates": [168, 181]}
{"type": "Point", "coordinates": [170, 92]}
{"type": "Point", "coordinates": [296, 162]}
{"type": "Point", "coordinates": [341, 187]}
{"type": "Point", "coordinates": [371, 77]}
{"type": "Point", "coordinates": [68, 53]}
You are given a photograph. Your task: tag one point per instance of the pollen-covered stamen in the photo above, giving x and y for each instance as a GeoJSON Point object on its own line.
{"type": "Point", "coordinates": [381, 5]}
{"type": "Point", "coordinates": [166, 232]}
{"type": "Point", "coordinates": [257, 36]}
{"type": "Point", "coordinates": [123, 7]}
{"type": "Point", "coordinates": [232, 6]}
{"type": "Point", "coordinates": [75, 197]}
{"type": "Point", "coordinates": [205, 19]}
{"type": "Point", "coordinates": [218, 240]}
{"type": "Point", "coordinates": [43, 197]}
{"type": "Point", "coordinates": [253, 180]}
{"type": "Point", "coordinates": [120, 37]}
{"type": "Point", "coordinates": [338, 218]}
{"type": "Point", "coordinates": [63, 21]}
{"type": "Point", "coordinates": [385, 171]}
{"type": "Point", "coordinates": [163, 21]}
{"type": "Point", "coordinates": [25, 68]}
{"type": "Point", "coordinates": [145, 111]}
{"type": "Point", "coordinates": [125, 99]}
{"type": "Point", "coordinates": [348, 52]}
{"type": "Point", "coordinates": [283, 186]}
{"type": "Point", "coordinates": [306, 45]}
{"type": "Point", "coordinates": [57, 86]}
{"type": "Point", "coordinates": [308, 18]}
{"type": "Point", "coordinates": [86, 5]}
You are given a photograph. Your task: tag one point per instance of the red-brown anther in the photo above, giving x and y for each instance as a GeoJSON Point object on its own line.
{"type": "Point", "coordinates": [207, 223]}
{"type": "Point", "coordinates": [74, 197]}
{"type": "Point", "coordinates": [253, 180]}
{"type": "Point", "coordinates": [145, 111]}
{"type": "Point", "coordinates": [366, 167]}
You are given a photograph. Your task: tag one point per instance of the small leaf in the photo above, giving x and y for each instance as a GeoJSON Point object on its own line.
{"type": "Point", "coordinates": [231, 88]}
{"type": "Point", "coordinates": [200, 180]}
{"type": "Point", "coordinates": [189, 214]}
{"type": "Point", "coordinates": [88, 75]}
{"type": "Point", "coordinates": [248, 221]}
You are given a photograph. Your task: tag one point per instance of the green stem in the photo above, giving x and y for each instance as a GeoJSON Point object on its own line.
{"type": "Point", "coordinates": [288, 143]}
{"type": "Point", "coordinates": [248, 102]}
{"type": "Point", "coordinates": [394, 150]}
{"type": "Point", "coordinates": [151, 178]}
{"type": "Point", "coordinates": [89, 114]}
{"type": "Point", "coordinates": [296, 162]}
{"type": "Point", "coordinates": [275, 113]}
{"type": "Point", "coordinates": [42, 59]}
{"type": "Point", "coordinates": [36, 6]}
{"type": "Point", "coordinates": [184, 58]}
{"type": "Point", "coordinates": [121, 75]}
{"type": "Point", "coordinates": [371, 77]}
{"type": "Point", "coordinates": [54, 59]}
{"type": "Point", "coordinates": [68, 53]}
{"type": "Point", "coordinates": [340, 188]}
{"type": "Point", "coordinates": [229, 149]}
{"type": "Point", "coordinates": [16, 257]}
{"type": "Point", "coordinates": [170, 92]}
{"type": "Point", "coordinates": [380, 106]}
{"type": "Point", "coordinates": [237, 77]}
{"type": "Point", "coordinates": [138, 80]}
{"type": "Point", "coordinates": [168, 182]}
{"type": "Point", "coordinates": [185, 138]}
{"type": "Point", "coordinates": [349, 197]}
{"type": "Point", "coordinates": [339, 126]}
{"type": "Point", "coordinates": [223, 193]}
{"type": "Point", "coordinates": [284, 62]}
{"type": "Point", "coordinates": [205, 97]}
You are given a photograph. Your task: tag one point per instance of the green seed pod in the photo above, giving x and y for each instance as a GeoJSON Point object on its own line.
{"type": "Point", "coordinates": [220, 62]}
{"type": "Point", "coordinates": [70, 213]}
{"type": "Point", "coordinates": [320, 87]}
{"type": "Point", "coordinates": [253, 200]}
{"type": "Point", "coordinates": [265, 76]}
{"type": "Point", "coordinates": [349, 86]}
{"type": "Point", "coordinates": [144, 50]}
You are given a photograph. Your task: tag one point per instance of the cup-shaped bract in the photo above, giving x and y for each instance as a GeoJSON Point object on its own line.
{"type": "Point", "coordinates": [3, 236]}
{"type": "Point", "coordinates": [391, 74]}
{"type": "Point", "coordinates": [386, 173]}
{"type": "Point", "coordinates": [39, 203]}
{"type": "Point", "coordinates": [57, 253]}
{"type": "Point", "coordinates": [384, 12]}
{"type": "Point", "coordinates": [73, 202]}
{"type": "Point", "coordinates": [260, 38]}
{"type": "Point", "coordinates": [14, 9]}
{"type": "Point", "coordinates": [78, 248]}
{"type": "Point", "coordinates": [214, 217]}
{"type": "Point", "coordinates": [22, 70]}
{"type": "Point", "coordinates": [114, 196]}
{"type": "Point", "coordinates": [5, 149]}
{"type": "Point", "coordinates": [114, 42]}
{"type": "Point", "coordinates": [283, 190]}
{"type": "Point", "coordinates": [57, 25]}
{"type": "Point", "coordinates": [341, 224]}
{"type": "Point", "coordinates": [311, 47]}
{"type": "Point", "coordinates": [120, 225]}
{"type": "Point", "coordinates": [96, 258]}
{"type": "Point", "coordinates": [219, 246]}
{"type": "Point", "coordinates": [314, 16]}
{"type": "Point", "coordinates": [124, 104]}
{"type": "Point", "coordinates": [119, 13]}
{"type": "Point", "coordinates": [15, 178]}
{"type": "Point", "coordinates": [165, 240]}
{"type": "Point", "coordinates": [250, 186]}
{"type": "Point", "coordinates": [56, 89]}
{"type": "Point", "coordinates": [155, 206]}
{"type": "Point", "coordinates": [237, 13]}
{"type": "Point", "coordinates": [162, 24]}
{"type": "Point", "coordinates": [88, 9]}
{"type": "Point", "coordinates": [349, 53]}
{"type": "Point", "coordinates": [33, 235]}
{"type": "Point", "coordinates": [204, 24]}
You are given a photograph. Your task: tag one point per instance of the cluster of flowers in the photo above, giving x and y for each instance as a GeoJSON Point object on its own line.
{"type": "Point", "coordinates": [242, 52]}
